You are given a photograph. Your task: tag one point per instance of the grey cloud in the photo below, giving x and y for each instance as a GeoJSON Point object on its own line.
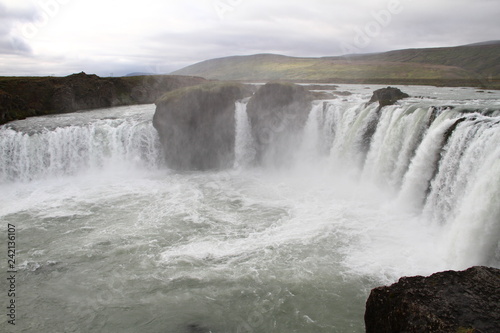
{"type": "Point", "coordinates": [430, 24]}
{"type": "Point", "coordinates": [14, 45]}
{"type": "Point", "coordinates": [294, 28]}
{"type": "Point", "coordinates": [10, 43]}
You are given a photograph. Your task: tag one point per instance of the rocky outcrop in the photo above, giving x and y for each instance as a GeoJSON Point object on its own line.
{"type": "Point", "coordinates": [451, 301]}
{"type": "Point", "coordinates": [387, 96]}
{"type": "Point", "coordinates": [12, 107]}
{"type": "Point", "coordinates": [277, 113]}
{"type": "Point", "coordinates": [25, 97]}
{"type": "Point", "coordinates": [83, 92]}
{"type": "Point", "coordinates": [197, 126]}
{"type": "Point", "coordinates": [384, 96]}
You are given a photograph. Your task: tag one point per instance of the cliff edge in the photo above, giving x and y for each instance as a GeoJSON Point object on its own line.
{"type": "Point", "coordinates": [459, 302]}
{"type": "Point", "coordinates": [22, 97]}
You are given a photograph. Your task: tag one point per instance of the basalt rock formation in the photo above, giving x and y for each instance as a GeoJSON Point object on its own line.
{"type": "Point", "coordinates": [387, 96]}
{"type": "Point", "coordinates": [22, 97]}
{"type": "Point", "coordinates": [277, 112]}
{"type": "Point", "coordinates": [197, 126]}
{"type": "Point", "coordinates": [384, 97]}
{"type": "Point", "coordinates": [451, 301]}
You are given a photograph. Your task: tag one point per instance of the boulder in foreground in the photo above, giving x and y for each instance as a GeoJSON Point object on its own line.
{"type": "Point", "coordinates": [459, 302]}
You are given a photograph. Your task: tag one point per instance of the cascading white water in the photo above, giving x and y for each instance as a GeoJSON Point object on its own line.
{"type": "Point", "coordinates": [473, 232]}
{"type": "Point", "coordinates": [347, 153]}
{"type": "Point", "coordinates": [309, 150]}
{"type": "Point", "coordinates": [394, 144]}
{"type": "Point", "coordinates": [372, 195]}
{"type": "Point", "coordinates": [465, 194]}
{"type": "Point", "coordinates": [93, 145]}
{"type": "Point", "coordinates": [423, 166]}
{"type": "Point", "coordinates": [244, 147]}
{"type": "Point", "coordinates": [472, 143]}
{"type": "Point", "coordinates": [417, 154]}
{"type": "Point", "coordinates": [432, 159]}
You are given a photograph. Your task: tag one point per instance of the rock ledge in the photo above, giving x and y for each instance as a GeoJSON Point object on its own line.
{"type": "Point", "coordinates": [450, 301]}
{"type": "Point", "coordinates": [387, 96]}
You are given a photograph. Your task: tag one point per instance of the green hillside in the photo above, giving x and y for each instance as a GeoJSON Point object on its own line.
{"type": "Point", "coordinates": [476, 65]}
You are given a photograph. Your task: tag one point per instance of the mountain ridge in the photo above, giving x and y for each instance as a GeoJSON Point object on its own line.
{"type": "Point", "coordinates": [473, 64]}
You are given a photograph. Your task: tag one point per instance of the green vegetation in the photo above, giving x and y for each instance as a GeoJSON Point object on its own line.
{"type": "Point", "coordinates": [475, 65]}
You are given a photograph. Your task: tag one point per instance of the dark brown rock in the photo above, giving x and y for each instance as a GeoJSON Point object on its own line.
{"type": "Point", "coordinates": [12, 108]}
{"type": "Point", "coordinates": [387, 96]}
{"type": "Point", "coordinates": [451, 301]}
{"type": "Point", "coordinates": [197, 126]}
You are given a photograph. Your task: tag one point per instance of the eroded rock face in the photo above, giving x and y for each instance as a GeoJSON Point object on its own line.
{"type": "Point", "coordinates": [387, 96]}
{"type": "Point", "coordinates": [12, 107]}
{"type": "Point", "coordinates": [277, 113]}
{"type": "Point", "coordinates": [26, 97]}
{"type": "Point", "coordinates": [451, 301]}
{"type": "Point", "coordinates": [197, 126]}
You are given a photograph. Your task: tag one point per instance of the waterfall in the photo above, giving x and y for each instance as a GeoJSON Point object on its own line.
{"type": "Point", "coordinates": [441, 164]}
{"type": "Point", "coordinates": [424, 165]}
{"type": "Point", "coordinates": [465, 194]}
{"type": "Point", "coordinates": [348, 149]}
{"type": "Point", "coordinates": [309, 150]}
{"type": "Point", "coordinates": [394, 145]}
{"type": "Point", "coordinates": [70, 149]}
{"type": "Point", "coordinates": [244, 147]}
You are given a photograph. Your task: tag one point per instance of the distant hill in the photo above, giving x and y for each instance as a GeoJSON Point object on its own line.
{"type": "Point", "coordinates": [139, 74]}
{"type": "Point", "coordinates": [475, 64]}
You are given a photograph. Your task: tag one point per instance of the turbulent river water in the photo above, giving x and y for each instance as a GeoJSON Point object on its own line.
{"type": "Point", "coordinates": [109, 239]}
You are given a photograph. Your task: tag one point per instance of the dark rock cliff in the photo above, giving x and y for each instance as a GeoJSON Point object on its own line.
{"type": "Point", "coordinates": [459, 302]}
{"type": "Point", "coordinates": [22, 97]}
{"type": "Point", "coordinates": [277, 112]}
{"type": "Point", "coordinates": [197, 127]}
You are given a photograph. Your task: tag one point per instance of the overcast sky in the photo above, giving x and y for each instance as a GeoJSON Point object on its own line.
{"type": "Point", "coordinates": [60, 37]}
